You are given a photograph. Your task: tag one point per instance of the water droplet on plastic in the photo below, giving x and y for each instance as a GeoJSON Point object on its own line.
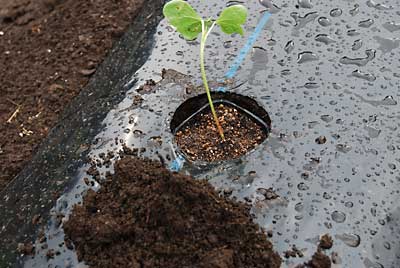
{"type": "Point", "coordinates": [391, 26]}
{"type": "Point", "coordinates": [372, 132]}
{"type": "Point", "coordinates": [336, 86]}
{"type": "Point", "coordinates": [299, 207]}
{"type": "Point", "coordinates": [227, 44]}
{"type": "Point", "coordinates": [302, 21]}
{"type": "Point", "coordinates": [344, 148]}
{"type": "Point", "coordinates": [302, 186]}
{"type": "Point", "coordinates": [324, 21]}
{"type": "Point", "coordinates": [355, 10]}
{"type": "Point", "coordinates": [324, 38]}
{"type": "Point", "coordinates": [338, 216]}
{"type": "Point", "coordinates": [359, 61]}
{"type": "Point", "coordinates": [378, 6]}
{"type": "Point", "coordinates": [352, 240]}
{"type": "Point", "coordinates": [348, 204]}
{"type": "Point", "coordinates": [326, 196]}
{"type": "Point", "coordinates": [392, 166]}
{"type": "Point", "coordinates": [326, 118]}
{"type": "Point", "coordinates": [306, 56]}
{"type": "Point", "coordinates": [365, 76]}
{"type": "Point", "coordinates": [305, 3]}
{"type": "Point", "coordinates": [387, 245]}
{"type": "Point", "coordinates": [336, 12]}
{"type": "Point", "coordinates": [357, 44]}
{"type": "Point", "coordinates": [373, 212]}
{"type": "Point", "coordinates": [366, 23]}
{"type": "Point", "coordinates": [352, 32]}
{"type": "Point", "coordinates": [311, 85]}
{"type": "Point", "coordinates": [388, 100]}
{"type": "Point", "coordinates": [312, 124]}
{"type": "Point", "coordinates": [271, 7]}
{"type": "Point", "coordinates": [289, 46]}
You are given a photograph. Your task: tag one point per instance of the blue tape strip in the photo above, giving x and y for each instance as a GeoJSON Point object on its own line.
{"type": "Point", "coordinates": [178, 163]}
{"type": "Point", "coordinates": [245, 50]}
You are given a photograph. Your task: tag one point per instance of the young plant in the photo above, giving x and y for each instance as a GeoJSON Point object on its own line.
{"type": "Point", "coordinates": [185, 19]}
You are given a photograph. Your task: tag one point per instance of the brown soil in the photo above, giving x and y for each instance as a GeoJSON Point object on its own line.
{"type": "Point", "coordinates": [200, 140]}
{"type": "Point", "coordinates": [326, 242]}
{"type": "Point", "coordinates": [145, 216]}
{"type": "Point", "coordinates": [48, 51]}
{"type": "Point", "coordinates": [26, 249]}
{"type": "Point", "coordinates": [293, 253]}
{"type": "Point", "coordinates": [319, 260]}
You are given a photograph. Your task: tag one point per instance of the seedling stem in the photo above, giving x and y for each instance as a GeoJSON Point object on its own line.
{"type": "Point", "coordinates": [204, 36]}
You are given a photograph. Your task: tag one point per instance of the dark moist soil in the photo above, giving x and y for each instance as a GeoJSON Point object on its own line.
{"type": "Point", "coordinates": [200, 140]}
{"type": "Point", "coordinates": [325, 242]}
{"type": "Point", "coordinates": [145, 216]}
{"type": "Point", "coordinates": [319, 260]}
{"type": "Point", "coordinates": [48, 51]}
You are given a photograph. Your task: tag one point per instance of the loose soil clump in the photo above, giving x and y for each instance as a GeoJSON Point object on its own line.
{"type": "Point", "coordinates": [146, 216]}
{"type": "Point", "coordinates": [326, 242]}
{"type": "Point", "coordinates": [48, 51]}
{"type": "Point", "coordinates": [319, 260]}
{"type": "Point", "coordinates": [199, 139]}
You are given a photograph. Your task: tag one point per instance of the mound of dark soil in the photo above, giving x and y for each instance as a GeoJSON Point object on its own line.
{"type": "Point", "coordinates": [146, 216]}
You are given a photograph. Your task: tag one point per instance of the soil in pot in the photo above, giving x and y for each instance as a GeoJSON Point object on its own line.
{"type": "Point", "coordinates": [146, 216]}
{"type": "Point", "coordinates": [244, 122]}
{"type": "Point", "coordinates": [200, 140]}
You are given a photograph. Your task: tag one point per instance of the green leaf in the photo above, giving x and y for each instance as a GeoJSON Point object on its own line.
{"type": "Point", "coordinates": [232, 19]}
{"type": "Point", "coordinates": [184, 18]}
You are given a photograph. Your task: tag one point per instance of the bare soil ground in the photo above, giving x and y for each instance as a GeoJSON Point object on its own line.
{"type": "Point", "coordinates": [48, 51]}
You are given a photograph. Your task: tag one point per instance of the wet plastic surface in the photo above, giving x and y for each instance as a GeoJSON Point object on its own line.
{"type": "Point", "coordinates": [321, 68]}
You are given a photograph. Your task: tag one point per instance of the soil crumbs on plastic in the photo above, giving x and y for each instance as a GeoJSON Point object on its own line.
{"type": "Point", "coordinates": [319, 260]}
{"type": "Point", "coordinates": [200, 140]}
{"type": "Point", "coordinates": [146, 216]}
{"type": "Point", "coordinates": [48, 51]}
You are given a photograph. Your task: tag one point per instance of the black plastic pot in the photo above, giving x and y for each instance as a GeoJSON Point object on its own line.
{"type": "Point", "coordinates": [188, 110]}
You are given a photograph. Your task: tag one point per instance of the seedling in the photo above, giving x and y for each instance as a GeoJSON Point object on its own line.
{"type": "Point", "coordinates": [185, 19]}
